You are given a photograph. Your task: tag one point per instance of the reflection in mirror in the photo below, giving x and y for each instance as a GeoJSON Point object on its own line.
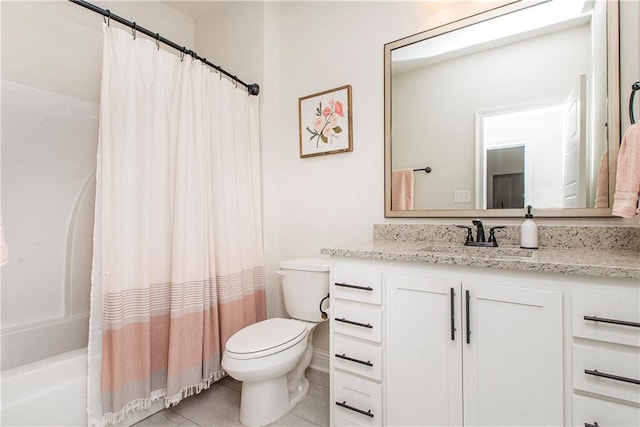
{"type": "Point", "coordinates": [508, 111]}
{"type": "Point", "coordinates": [505, 178]}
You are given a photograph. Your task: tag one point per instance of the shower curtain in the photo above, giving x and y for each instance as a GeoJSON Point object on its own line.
{"type": "Point", "coordinates": [178, 262]}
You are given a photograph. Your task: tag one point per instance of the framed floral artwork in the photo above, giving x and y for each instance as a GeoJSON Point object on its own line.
{"type": "Point", "coordinates": [325, 122]}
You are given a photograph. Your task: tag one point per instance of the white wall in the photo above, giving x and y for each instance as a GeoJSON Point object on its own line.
{"type": "Point", "coordinates": [231, 36]}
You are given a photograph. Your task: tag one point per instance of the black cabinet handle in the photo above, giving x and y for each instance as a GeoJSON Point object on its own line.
{"type": "Point", "coordinates": [351, 359]}
{"type": "Point", "coordinates": [351, 322]}
{"type": "Point", "coordinates": [468, 297]}
{"type": "Point", "coordinates": [362, 288]}
{"type": "Point", "coordinates": [595, 372]}
{"type": "Point", "coordinates": [343, 404]}
{"type": "Point", "coordinates": [453, 323]}
{"type": "Point", "coordinates": [595, 424]}
{"type": "Point", "coordinates": [612, 321]}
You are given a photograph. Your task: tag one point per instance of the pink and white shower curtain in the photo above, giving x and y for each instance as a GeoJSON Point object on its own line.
{"type": "Point", "coordinates": [178, 261]}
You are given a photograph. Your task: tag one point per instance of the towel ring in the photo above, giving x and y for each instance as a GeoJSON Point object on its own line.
{"type": "Point", "coordinates": [634, 88]}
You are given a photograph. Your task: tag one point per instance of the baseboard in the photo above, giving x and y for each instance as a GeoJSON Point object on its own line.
{"type": "Point", "coordinates": [320, 360]}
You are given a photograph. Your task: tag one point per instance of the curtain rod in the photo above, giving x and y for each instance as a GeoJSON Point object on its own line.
{"type": "Point", "coordinates": [252, 89]}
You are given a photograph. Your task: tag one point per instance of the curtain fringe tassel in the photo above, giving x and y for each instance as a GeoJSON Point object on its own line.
{"type": "Point", "coordinates": [113, 418]}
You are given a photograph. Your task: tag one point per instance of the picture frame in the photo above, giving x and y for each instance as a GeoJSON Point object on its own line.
{"type": "Point", "coordinates": [325, 122]}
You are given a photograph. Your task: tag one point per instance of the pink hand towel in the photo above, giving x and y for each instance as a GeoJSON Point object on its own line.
{"type": "Point", "coordinates": [625, 199]}
{"type": "Point", "coordinates": [402, 189]}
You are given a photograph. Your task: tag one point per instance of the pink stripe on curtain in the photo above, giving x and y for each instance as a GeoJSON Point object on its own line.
{"type": "Point", "coordinates": [178, 262]}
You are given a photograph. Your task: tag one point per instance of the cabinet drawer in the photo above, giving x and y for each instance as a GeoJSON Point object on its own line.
{"type": "Point", "coordinates": [591, 411]}
{"type": "Point", "coordinates": [608, 309]}
{"type": "Point", "coordinates": [358, 402]}
{"type": "Point", "coordinates": [357, 320]}
{"type": "Point", "coordinates": [357, 357]}
{"type": "Point", "coordinates": [625, 365]}
{"type": "Point", "coordinates": [357, 285]}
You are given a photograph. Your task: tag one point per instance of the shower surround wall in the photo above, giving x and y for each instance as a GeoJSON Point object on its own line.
{"type": "Point", "coordinates": [51, 57]}
{"type": "Point", "coordinates": [48, 177]}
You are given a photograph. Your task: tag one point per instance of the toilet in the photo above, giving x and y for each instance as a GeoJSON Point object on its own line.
{"type": "Point", "coordinates": [271, 356]}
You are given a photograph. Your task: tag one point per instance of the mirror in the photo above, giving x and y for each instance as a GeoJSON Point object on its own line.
{"type": "Point", "coordinates": [505, 109]}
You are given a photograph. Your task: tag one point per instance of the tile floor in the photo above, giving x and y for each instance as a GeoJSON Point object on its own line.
{"type": "Point", "coordinates": [220, 406]}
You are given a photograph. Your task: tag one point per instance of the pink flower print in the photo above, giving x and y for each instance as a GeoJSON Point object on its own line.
{"type": "Point", "coordinates": [326, 124]}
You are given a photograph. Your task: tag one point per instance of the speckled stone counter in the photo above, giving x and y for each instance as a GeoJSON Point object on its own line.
{"type": "Point", "coordinates": [592, 251]}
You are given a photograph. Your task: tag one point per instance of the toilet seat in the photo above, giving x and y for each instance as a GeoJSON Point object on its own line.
{"type": "Point", "coordinates": [265, 338]}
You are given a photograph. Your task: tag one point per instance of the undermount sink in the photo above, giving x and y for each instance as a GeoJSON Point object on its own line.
{"type": "Point", "coordinates": [479, 251]}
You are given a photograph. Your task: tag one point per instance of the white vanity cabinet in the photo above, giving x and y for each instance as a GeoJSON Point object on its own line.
{"type": "Point", "coordinates": [479, 346]}
{"type": "Point", "coordinates": [472, 351]}
{"type": "Point", "coordinates": [605, 359]}
{"type": "Point", "coordinates": [356, 347]}
{"type": "Point", "coordinates": [423, 351]}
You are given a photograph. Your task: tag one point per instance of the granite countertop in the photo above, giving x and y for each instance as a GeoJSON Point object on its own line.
{"type": "Point", "coordinates": [581, 261]}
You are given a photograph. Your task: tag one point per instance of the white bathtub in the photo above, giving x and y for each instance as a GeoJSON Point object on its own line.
{"type": "Point", "coordinates": [49, 392]}
{"type": "Point", "coordinates": [53, 392]}
{"type": "Point", "coordinates": [31, 343]}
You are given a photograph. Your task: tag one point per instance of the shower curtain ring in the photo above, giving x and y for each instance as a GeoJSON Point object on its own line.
{"type": "Point", "coordinates": [134, 30]}
{"type": "Point", "coordinates": [158, 41]}
{"type": "Point", "coordinates": [182, 53]}
{"type": "Point", "coordinates": [235, 81]}
{"type": "Point", "coordinates": [107, 19]}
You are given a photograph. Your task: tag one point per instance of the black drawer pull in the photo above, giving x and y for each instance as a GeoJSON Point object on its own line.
{"type": "Point", "coordinates": [595, 424]}
{"type": "Point", "coordinates": [351, 322]}
{"type": "Point", "coordinates": [595, 372]}
{"type": "Point", "coordinates": [612, 321]}
{"type": "Point", "coordinates": [468, 299]}
{"type": "Point", "coordinates": [453, 315]}
{"type": "Point", "coordinates": [351, 359]}
{"type": "Point", "coordinates": [362, 288]}
{"type": "Point", "coordinates": [343, 404]}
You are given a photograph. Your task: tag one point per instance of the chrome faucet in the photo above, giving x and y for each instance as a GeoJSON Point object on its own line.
{"type": "Point", "coordinates": [479, 230]}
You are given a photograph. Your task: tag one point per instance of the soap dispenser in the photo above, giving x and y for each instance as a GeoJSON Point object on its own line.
{"type": "Point", "coordinates": [529, 231]}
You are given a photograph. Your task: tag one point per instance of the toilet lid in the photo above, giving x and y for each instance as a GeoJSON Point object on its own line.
{"type": "Point", "coordinates": [266, 337]}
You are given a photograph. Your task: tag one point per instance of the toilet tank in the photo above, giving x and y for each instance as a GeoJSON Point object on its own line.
{"type": "Point", "coordinates": [305, 282]}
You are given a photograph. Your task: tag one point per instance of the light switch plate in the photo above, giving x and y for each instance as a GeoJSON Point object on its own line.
{"type": "Point", "coordinates": [461, 196]}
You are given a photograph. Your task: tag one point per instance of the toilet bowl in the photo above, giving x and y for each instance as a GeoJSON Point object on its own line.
{"type": "Point", "coordinates": [271, 356]}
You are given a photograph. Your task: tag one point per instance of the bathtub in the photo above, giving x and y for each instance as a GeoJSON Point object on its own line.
{"type": "Point", "coordinates": [49, 392]}
{"type": "Point", "coordinates": [31, 343]}
{"type": "Point", "coordinates": [53, 392]}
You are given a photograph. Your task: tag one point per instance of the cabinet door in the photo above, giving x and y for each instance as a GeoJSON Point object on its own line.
{"type": "Point", "coordinates": [423, 377]}
{"type": "Point", "coordinates": [512, 356]}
